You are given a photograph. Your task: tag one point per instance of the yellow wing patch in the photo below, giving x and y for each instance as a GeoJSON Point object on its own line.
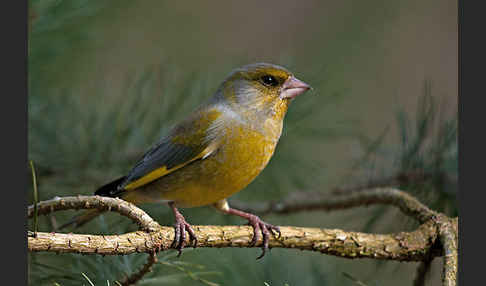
{"type": "Point", "coordinates": [162, 171]}
{"type": "Point", "coordinates": [148, 178]}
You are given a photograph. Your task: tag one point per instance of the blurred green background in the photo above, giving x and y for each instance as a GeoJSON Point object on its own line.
{"type": "Point", "coordinates": [108, 78]}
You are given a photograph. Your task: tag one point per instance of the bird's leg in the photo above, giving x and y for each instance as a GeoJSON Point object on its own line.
{"type": "Point", "coordinates": [180, 227]}
{"type": "Point", "coordinates": [257, 223]}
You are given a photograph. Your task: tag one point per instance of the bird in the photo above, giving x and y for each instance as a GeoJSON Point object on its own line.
{"type": "Point", "coordinates": [214, 152]}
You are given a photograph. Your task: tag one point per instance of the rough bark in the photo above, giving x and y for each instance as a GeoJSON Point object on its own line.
{"type": "Point", "coordinates": [144, 221]}
{"type": "Point", "coordinates": [404, 246]}
{"type": "Point", "coordinates": [436, 236]}
{"type": "Point", "coordinates": [449, 239]}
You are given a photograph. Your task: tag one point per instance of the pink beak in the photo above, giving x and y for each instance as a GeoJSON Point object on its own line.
{"type": "Point", "coordinates": [293, 87]}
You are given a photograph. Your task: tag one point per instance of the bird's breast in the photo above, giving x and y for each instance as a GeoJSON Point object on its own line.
{"type": "Point", "coordinates": [242, 154]}
{"type": "Point", "coordinates": [246, 150]}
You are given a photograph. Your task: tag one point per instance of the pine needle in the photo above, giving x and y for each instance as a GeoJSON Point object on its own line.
{"type": "Point", "coordinates": [36, 197]}
{"type": "Point", "coordinates": [87, 278]}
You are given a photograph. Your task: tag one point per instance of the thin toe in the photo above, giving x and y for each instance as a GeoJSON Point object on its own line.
{"type": "Point", "coordinates": [182, 243]}
{"type": "Point", "coordinates": [177, 236]}
{"type": "Point", "coordinates": [256, 234]}
{"type": "Point", "coordinates": [276, 229]}
{"type": "Point", "coordinates": [261, 255]}
{"type": "Point", "coordinates": [265, 242]}
{"type": "Point", "coordinates": [192, 235]}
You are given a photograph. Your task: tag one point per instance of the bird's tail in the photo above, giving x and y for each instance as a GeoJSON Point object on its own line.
{"type": "Point", "coordinates": [108, 190]}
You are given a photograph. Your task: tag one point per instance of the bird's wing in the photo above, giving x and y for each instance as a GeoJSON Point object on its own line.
{"type": "Point", "coordinates": [195, 138]}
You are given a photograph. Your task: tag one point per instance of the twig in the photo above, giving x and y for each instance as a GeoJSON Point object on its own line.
{"type": "Point", "coordinates": [448, 237]}
{"type": "Point", "coordinates": [147, 267]}
{"type": "Point", "coordinates": [127, 209]}
{"type": "Point", "coordinates": [400, 179]}
{"type": "Point", "coordinates": [122, 207]}
{"type": "Point", "coordinates": [36, 197]}
{"type": "Point", "coordinates": [307, 201]}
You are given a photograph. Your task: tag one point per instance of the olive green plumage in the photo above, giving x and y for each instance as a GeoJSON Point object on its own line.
{"type": "Point", "coordinates": [218, 149]}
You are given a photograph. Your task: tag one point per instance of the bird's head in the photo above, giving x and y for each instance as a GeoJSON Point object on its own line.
{"type": "Point", "coordinates": [261, 89]}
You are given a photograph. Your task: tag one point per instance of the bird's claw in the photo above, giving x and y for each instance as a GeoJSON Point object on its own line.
{"type": "Point", "coordinates": [180, 228]}
{"type": "Point", "coordinates": [265, 229]}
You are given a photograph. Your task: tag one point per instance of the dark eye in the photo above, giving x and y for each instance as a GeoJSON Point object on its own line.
{"type": "Point", "coordinates": [269, 80]}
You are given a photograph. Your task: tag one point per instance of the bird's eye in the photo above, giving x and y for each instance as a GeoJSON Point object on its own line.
{"type": "Point", "coordinates": [269, 80]}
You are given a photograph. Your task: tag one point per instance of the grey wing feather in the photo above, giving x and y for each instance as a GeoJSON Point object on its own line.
{"type": "Point", "coordinates": [165, 153]}
{"type": "Point", "coordinates": [169, 154]}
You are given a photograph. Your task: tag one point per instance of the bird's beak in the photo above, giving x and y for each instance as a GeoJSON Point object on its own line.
{"type": "Point", "coordinates": [293, 87]}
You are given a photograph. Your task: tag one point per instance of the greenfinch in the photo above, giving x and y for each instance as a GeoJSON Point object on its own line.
{"type": "Point", "coordinates": [216, 151]}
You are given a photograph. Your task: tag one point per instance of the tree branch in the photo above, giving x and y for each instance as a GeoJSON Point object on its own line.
{"type": "Point", "coordinates": [448, 234]}
{"type": "Point", "coordinates": [144, 221]}
{"type": "Point", "coordinates": [436, 231]}
{"type": "Point", "coordinates": [403, 246]}
{"type": "Point", "coordinates": [307, 201]}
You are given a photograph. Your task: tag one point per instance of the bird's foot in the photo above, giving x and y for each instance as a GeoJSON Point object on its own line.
{"type": "Point", "coordinates": [180, 228]}
{"type": "Point", "coordinates": [259, 226]}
